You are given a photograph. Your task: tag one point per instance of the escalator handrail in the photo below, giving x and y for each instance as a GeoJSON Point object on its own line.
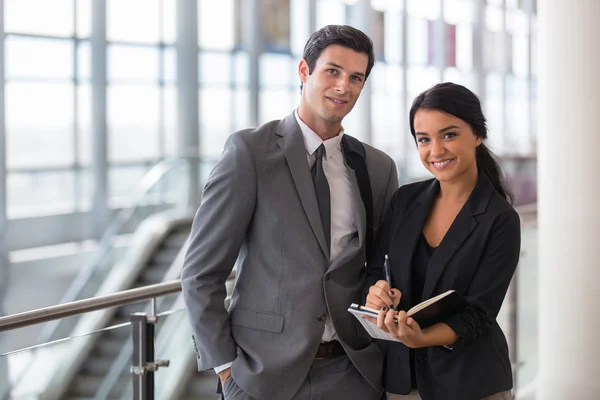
{"type": "Point", "coordinates": [148, 182]}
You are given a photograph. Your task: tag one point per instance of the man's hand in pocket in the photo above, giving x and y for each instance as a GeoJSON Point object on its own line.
{"type": "Point", "coordinates": [223, 375]}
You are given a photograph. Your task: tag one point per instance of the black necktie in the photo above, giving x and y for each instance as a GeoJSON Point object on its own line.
{"type": "Point", "coordinates": [322, 192]}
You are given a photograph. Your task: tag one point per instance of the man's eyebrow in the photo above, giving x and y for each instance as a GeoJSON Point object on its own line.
{"type": "Point", "coordinates": [340, 67]}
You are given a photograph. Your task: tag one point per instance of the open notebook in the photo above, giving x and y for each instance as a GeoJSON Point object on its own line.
{"type": "Point", "coordinates": [425, 313]}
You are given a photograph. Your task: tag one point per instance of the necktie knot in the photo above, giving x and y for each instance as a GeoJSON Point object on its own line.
{"type": "Point", "coordinates": [320, 153]}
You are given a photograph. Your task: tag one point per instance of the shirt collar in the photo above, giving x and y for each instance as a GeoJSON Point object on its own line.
{"type": "Point", "coordinates": [312, 141]}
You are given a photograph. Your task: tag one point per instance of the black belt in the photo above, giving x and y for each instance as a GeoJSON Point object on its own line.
{"type": "Point", "coordinates": [329, 350]}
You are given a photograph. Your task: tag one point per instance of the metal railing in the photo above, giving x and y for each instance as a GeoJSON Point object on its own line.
{"type": "Point", "coordinates": [83, 306]}
{"type": "Point", "coordinates": [142, 333]}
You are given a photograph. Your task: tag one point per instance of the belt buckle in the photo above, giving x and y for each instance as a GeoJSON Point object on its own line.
{"type": "Point", "coordinates": [328, 352]}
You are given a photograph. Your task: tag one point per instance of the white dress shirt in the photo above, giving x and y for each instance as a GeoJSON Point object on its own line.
{"type": "Point", "coordinates": [341, 193]}
{"type": "Point", "coordinates": [343, 203]}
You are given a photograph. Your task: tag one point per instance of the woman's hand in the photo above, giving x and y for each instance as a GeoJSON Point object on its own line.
{"type": "Point", "coordinates": [402, 327]}
{"type": "Point", "coordinates": [382, 297]}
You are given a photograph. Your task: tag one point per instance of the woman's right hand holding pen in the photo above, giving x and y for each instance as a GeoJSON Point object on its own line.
{"type": "Point", "coordinates": [382, 297]}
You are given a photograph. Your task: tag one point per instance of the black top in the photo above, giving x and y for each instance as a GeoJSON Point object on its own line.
{"type": "Point", "coordinates": [423, 253]}
{"type": "Point", "coordinates": [477, 258]}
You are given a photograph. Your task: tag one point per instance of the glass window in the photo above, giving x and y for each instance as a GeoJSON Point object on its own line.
{"type": "Point", "coordinates": [276, 104]}
{"type": "Point", "coordinates": [134, 21]}
{"type": "Point", "coordinates": [299, 26]}
{"type": "Point", "coordinates": [517, 22]}
{"type": "Point", "coordinates": [169, 21]}
{"type": "Point", "coordinates": [466, 79]}
{"type": "Point", "coordinates": [133, 121]}
{"type": "Point", "coordinates": [38, 58]}
{"type": "Point", "coordinates": [450, 38]}
{"type": "Point", "coordinates": [275, 25]}
{"type": "Point", "coordinates": [494, 110]}
{"type": "Point", "coordinates": [39, 17]}
{"type": "Point", "coordinates": [84, 124]}
{"type": "Point", "coordinates": [464, 47]}
{"type": "Point", "coordinates": [169, 57]}
{"type": "Point", "coordinates": [84, 18]}
{"type": "Point", "coordinates": [241, 68]}
{"type": "Point", "coordinates": [215, 109]}
{"type": "Point", "coordinates": [418, 41]}
{"type": "Point", "coordinates": [420, 78]}
{"type": "Point", "coordinates": [215, 119]}
{"type": "Point", "coordinates": [377, 78]}
{"type": "Point", "coordinates": [122, 183]}
{"type": "Point", "coordinates": [169, 106]}
{"type": "Point", "coordinates": [393, 37]}
{"type": "Point", "coordinates": [39, 124]}
{"type": "Point", "coordinates": [40, 193]}
{"type": "Point", "coordinates": [520, 56]}
{"type": "Point", "coordinates": [494, 18]}
{"type": "Point", "coordinates": [276, 70]}
{"type": "Point", "coordinates": [215, 68]}
{"type": "Point", "coordinates": [386, 78]}
{"type": "Point", "coordinates": [459, 11]}
{"type": "Point", "coordinates": [83, 189]}
{"type": "Point", "coordinates": [493, 53]}
{"type": "Point", "coordinates": [378, 35]}
{"type": "Point", "coordinates": [387, 5]}
{"type": "Point", "coordinates": [393, 79]}
{"type": "Point", "coordinates": [387, 116]}
{"type": "Point", "coordinates": [242, 109]}
{"type": "Point", "coordinates": [517, 110]}
{"type": "Point", "coordinates": [84, 61]}
{"type": "Point", "coordinates": [429, 9]}
{"type": "Point", "coordinates": [330, 12]}
{"type": "Point", "coordinates": [131, 63]}
{"type": "Point", "coordinates": [216, 16]}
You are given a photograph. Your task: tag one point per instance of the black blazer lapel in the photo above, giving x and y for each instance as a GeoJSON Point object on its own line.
{"type": "Point", "coordinates": [462, 227]}
{"type": "Point", "coordinates": [292, 145]}
{"type": "Point", "coordinates": [410, 230]}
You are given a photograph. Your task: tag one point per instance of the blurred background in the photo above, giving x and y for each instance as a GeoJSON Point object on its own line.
{"type": "Point", "coordinates": [116, 110]}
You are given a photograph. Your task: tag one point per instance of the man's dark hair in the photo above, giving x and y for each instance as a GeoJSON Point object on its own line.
{"type": "Point", "coordinates": [342, 35]}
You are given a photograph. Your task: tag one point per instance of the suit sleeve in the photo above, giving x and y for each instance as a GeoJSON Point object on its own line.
{"type": "Point", "coordinates": [490, 283]}
{"type": "Point", "coordinates": [218, 231]}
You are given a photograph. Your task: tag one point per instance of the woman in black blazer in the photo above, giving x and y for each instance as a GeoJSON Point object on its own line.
{"type": "Point", "coordinates": [456, 231]}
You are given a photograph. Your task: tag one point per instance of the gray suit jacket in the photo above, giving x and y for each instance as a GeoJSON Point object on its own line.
{"type": "Point", "coordinates": [260, 213]}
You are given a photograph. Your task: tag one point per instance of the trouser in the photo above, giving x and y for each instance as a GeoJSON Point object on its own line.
{"type": "Point", "coordinates": [414, 395]}
{"type": "Point", "coordinates": [328, 379]}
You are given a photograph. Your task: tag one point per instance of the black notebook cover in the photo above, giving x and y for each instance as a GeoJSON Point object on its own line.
{"type": "Point", "coordinates": [451, 303]}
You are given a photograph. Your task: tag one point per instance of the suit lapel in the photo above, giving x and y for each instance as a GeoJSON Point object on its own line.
{"type": "Point", "coordinates": [292, 145]}
{"type": "Point", "coordinates": [409, 233]}
{"type": "Point", "coordinates": [462, 227]}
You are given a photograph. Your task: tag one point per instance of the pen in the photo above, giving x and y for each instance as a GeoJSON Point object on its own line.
{"type": "Point", "coordinates": [388, 274]}
{"type": "Point", "coordinates": [386, 270]}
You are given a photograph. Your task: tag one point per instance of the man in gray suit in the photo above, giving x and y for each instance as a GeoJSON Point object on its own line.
{"type": "Point", "coordinates": [284, 205]}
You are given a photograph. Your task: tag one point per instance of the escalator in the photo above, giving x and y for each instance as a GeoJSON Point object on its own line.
{"type": "Point", "coordinates": [96, 367]}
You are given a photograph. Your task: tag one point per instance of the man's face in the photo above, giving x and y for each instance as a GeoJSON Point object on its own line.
{"type": "Point", "coordinates": [331, 91]}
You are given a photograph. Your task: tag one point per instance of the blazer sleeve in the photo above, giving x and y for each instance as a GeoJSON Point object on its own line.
{"type": "Point", "coordinates": [218, 231]}
{"type": "Point", "coordinates": [490, 283]}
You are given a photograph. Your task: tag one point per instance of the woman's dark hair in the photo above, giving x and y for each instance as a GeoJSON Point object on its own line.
{"type": "Point", "coordinates": [460, 102]}
{"type": "Point", "coordinates": [343, 35]}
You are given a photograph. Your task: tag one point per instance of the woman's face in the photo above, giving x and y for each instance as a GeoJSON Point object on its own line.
{"type": "Point", "coordinates": [446, 145]}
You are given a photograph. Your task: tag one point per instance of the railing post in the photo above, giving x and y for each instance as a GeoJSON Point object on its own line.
{"type": "Point", "coordinates": [142, 331]}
